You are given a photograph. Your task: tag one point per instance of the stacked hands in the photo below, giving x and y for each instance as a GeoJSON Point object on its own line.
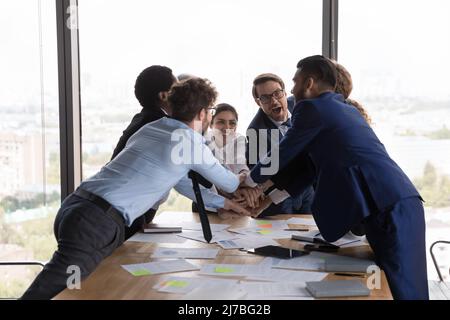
{"type": "Point", "coordinates": [245, 201]}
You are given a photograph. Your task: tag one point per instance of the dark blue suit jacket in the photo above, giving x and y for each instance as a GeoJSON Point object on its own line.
{"type": "Point", "coordinates": [301, 203]}
{"type": "Point", "coordinates": [352, 170]}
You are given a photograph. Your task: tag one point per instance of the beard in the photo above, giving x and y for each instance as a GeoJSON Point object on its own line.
{"type": "Point", "coordinates": [301, 95]}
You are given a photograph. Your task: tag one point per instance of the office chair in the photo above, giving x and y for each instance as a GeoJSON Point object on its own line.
{"type": "Point", "coordinates": [434, 258]}
{"type": "Point", "coordinates": [19, 263]}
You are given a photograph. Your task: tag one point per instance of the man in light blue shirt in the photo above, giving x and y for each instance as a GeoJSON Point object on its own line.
{"type": "Point", "coordinates": [90, 223]}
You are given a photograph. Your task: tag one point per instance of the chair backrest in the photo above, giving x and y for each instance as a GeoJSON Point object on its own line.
{"type": "Point", "coordinates": [436, 265]}
{"type": "Point", "coordinates": [19, 263]}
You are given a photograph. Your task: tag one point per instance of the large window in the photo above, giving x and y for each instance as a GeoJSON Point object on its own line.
{"type": "Point", "coordinates": [398, 54]}
{"type": "Point", "coordinates": [29, 138]}
{"type": "Point", "coordinates": [227, 41]}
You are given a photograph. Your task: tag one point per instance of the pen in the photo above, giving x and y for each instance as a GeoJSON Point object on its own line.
{"type": "Point", "coordinates": [295, 229]}
{"type": "Point", "coordinates": [349, 274]}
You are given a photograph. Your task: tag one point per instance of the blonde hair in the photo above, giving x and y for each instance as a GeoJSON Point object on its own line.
{"type": "Point", "coordinates": [344, 86]}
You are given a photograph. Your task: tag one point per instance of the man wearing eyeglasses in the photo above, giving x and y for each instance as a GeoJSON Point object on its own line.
{"type": "Point", "coordinates": [273, 115]}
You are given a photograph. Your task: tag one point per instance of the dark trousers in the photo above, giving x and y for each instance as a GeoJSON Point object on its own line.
{"type": "Point", "coordinates": [397, 238]}
{"type": "Point", "coordinates": [86, 235]}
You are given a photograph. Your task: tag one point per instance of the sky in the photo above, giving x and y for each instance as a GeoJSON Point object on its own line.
{"type": "Point", "coordinates": [391, 47]}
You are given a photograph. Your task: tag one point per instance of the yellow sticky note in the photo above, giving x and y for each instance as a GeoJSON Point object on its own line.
{"type": "Point", "coordinates": [265, 231]}
{"type": "Point", "coordinates": [223, 270]}
{"type": "Point", "coordinates": [176, 283]}
{"type": "Point", "coordinates": [141, 272]}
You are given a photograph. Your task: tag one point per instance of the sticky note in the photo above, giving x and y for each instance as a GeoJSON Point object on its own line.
{"type": "Point", "coordinates": [264, 231]}
{"type": "Point", "coordinates": [141, 272]}
{"type": "Point", "coordinates": [176, 283]}
{"type": "Point", "coordinates": [264, 224]}
{"type": "Point", "coordinates": [223, 270]}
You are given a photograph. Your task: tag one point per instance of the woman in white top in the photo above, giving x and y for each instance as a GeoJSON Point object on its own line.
{"type": "Point", "coordinates": [226, 144]}
{"type": "Point", "coordinates": [228, 147]}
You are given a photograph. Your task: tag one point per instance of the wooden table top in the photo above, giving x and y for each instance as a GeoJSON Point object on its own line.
{"type": "Point", "coordinates": [111, 282]}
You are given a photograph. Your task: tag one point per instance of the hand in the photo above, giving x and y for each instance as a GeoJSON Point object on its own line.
{"type": "Point", "coordinates": [242, 176]}
{"type": "Point", "coordinates": [262, 206]}
{"type": "Point", "coordinates": [230, 205]}
{"type": "Point", "coordinates": [248, 196]}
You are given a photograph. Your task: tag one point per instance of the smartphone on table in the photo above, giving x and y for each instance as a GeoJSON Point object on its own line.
{"type": "Point", "coordinates": [277, 252]}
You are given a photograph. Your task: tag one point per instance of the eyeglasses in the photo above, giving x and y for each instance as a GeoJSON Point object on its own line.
{"type": "Point", "coordinates": [267, 98]}
{"type": "Point", "coordinates": [212, 110]}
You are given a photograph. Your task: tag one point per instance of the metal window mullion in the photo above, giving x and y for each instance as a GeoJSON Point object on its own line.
{"type": "Point", "coordinates": [330, 29]}
{"type": "Point", "coordinates": [69, 96]}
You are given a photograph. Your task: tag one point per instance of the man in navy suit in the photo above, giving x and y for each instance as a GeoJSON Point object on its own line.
{"type": "Point", "coordinates": [273, 115]}
{"type": "Point", "coordinates": [356, 182]}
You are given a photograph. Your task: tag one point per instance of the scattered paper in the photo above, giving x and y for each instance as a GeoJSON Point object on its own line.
{"type": "Point", "coordinates": [281, 275]}
{"type": "Point", "coordinates": [198, 236]}
{"type": "Point", "coordinates": [184, 285]}
{"type": "Point", "coordinates": [319, 261]}
{"type": "Point", "coordinates": [247, 242]}
{"type": "Point", "coordinates": [188, 225]}
{"type": "Point", "coordinates": [217, 292]}
{"type": "Point", "coordinates": [303, 221]}
{"type": "Point", "coordinates": [151, 268]}
{"type": "Point", "coordinates": [268, 224]}
{"type": "Point", "coordinates": [275, 289]}
{"type": "Point", "coordinates": [346, 241]}
{"type": "Point", "coordinates": [156, 238]}
{"type": "Point", "coordinates": [186, 253]}
{"type": "Point", "coordinates": [307, 262]}
{"type": "Point", "coordinates": [234, 269]}
{"type": "Point", "coordinates": [266, 232]}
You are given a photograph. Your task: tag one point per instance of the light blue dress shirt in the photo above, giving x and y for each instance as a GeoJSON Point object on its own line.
{"type": "Point", "coordinates": [155, 159]}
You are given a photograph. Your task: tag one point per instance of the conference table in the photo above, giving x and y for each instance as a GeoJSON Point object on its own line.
{"type": "Point", "coordinates": [111, 282]}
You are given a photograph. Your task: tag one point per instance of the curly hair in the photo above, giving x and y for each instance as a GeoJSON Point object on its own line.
{"type": "Point", "coordinates": [344, 86]}
{"type": "Point", "coordinates": [187, 98]}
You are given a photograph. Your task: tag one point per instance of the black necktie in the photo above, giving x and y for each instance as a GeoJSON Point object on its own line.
{"type": "Point", "coordinates": [201, 206]}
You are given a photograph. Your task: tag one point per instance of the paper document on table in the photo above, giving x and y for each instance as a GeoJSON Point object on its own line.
{"type": "Point", "coordinates": [217, 292]}
{"type": "Point", "coordinates": [303, 221]}
{"type": "Point", "coordinates": [283, 275]}
{"type": "Point", "coordinates": [188, 225]}
{"type": "Point", "coordinates": [308, 262]}
{"type": "Point", "coordinates": [156, 238]}
{"type": "Point", "coordinates": [151, 268]}
{"type": "Point", "coordinates": [234, 269]}
{"type": "Point", "coordinates": [247, 242]}
{"type": "Point", "coordinates": [275, 289]}
{"type": "Point", "coordinates": [347, 241]}
{"type": "Point", "coordinates": [268, 224]}
{"type": "Point", "coordinates": [198, 236]}
{"type": "Point", "coordinates": [186, 253]}
{"type": "Point", "coordinates": [173, 284]}
{"type": "Point", "coordinates": [320, 261]}
{"type": "Point", "coordinates": [266, 232]}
